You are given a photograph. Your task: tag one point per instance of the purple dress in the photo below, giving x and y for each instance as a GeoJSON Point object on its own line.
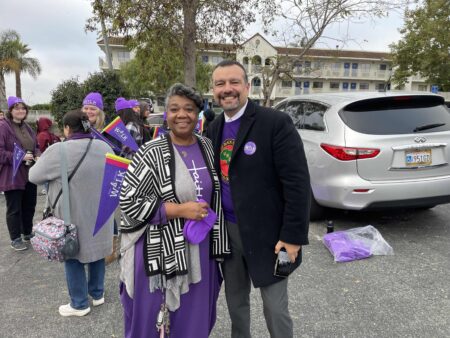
{"type": "Point", "coordinates": [196, 315]}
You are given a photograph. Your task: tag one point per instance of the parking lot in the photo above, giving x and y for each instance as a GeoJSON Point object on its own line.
{"type": "Point", "coordinates": [405, 295]}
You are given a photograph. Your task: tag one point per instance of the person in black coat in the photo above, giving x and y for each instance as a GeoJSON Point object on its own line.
{"type": "Point", "coordinates": [265, 197]}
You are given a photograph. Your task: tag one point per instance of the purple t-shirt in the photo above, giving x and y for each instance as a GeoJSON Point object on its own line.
{"type": "Point", "coordinates": [193, 158]}
{"type": "Point", "coordinates": [229, 135]}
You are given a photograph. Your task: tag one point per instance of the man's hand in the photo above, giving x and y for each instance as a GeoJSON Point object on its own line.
{"type": "Point", "coordinates": [291, 249]}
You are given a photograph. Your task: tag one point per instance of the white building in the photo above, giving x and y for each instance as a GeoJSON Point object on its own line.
{"type": "Point", "coordinates": [318, 71]}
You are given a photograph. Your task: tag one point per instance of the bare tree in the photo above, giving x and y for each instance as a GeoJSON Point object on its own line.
{"type": "Point", "coordinates": [307, 21]}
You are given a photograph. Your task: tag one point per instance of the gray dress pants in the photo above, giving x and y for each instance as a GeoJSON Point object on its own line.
{"type": "Point", "coordinates": [237, 294]}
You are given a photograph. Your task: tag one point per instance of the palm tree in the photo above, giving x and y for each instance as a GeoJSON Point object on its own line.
{"type": "Point", "coordinates": [14, 59]}
{"type": "Point", "coordinates": [24, 64]}
{"type": "Point", "coordinates": [8, 48]}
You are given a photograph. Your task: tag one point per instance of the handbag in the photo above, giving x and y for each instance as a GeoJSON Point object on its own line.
{"type": "Point", "coordinates": [56, 239]}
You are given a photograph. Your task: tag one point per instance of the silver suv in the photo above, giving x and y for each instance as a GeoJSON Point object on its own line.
{"type": "Point", "coordinates": [374, 150]}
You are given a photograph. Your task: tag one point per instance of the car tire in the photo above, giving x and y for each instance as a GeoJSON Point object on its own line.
{"type": "Point", "coordinates": [316, 212]}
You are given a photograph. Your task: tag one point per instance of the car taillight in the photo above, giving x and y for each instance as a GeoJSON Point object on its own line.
{"type": "Point", "coordinates": [349, 154]}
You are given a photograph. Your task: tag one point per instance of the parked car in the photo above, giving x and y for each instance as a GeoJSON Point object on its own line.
{"type": "Point", "coordinates": [155, 119]}
{"type": "Point", "coordinates": [374, 150]}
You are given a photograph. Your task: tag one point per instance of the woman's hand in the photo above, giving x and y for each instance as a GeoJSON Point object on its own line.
{"type": "Point", "coordinates": [28, 157]}
{"type": "Point", "coordinates": [189, 210]}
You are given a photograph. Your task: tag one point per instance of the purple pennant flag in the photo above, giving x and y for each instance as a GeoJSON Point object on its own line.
{"type": "Point", "coordinates": [18, 156]}
{"type": "Point", "coordinates": [115, 169]}
{"type": "Point", "coordinates": [97, 135]}
{"type": "Point", "coordinates": [118, 130]}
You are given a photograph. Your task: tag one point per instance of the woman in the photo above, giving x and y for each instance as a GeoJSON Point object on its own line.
{"type": "Point", "coordinates": [145, 109]}
{"type": "Point", "coordinates": [131, 122]}
{"type": "Point", "coordinates": [93, 107]}
{"type": "Point", "coordinates": [165, 179]}
{"type": "Point", "coordinates": [20, 194]}
{"type": "Point", "coordinates": [84, 193]}
{"type": "Point", "coordinates": [44, 136]}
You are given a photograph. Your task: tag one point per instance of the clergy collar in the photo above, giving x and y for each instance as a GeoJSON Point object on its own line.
{"type": "Point", "coordinates": [237, 115]}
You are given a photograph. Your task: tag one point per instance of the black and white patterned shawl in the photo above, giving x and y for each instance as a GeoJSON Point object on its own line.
{"type": "Point", "coordinates": [150, 180]}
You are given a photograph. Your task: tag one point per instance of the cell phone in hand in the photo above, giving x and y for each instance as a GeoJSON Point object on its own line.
{"type": "Point", "coordinates": [283, 265]}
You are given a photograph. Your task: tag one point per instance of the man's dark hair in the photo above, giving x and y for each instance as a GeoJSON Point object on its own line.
{"type": "Point", "coordinates": [179, 89]}
{"type": "Point", "coordinates": [228, 63]}
{"type": "Point", "coordinates": [74, 119]}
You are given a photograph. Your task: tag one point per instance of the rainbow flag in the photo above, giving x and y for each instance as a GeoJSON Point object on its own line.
{"type": "Point", "coordinates": [119, 131]}
{"type": "Point", "coordinates": [114, 174]}
{"type": "Point", "coordinates": [158, 131]}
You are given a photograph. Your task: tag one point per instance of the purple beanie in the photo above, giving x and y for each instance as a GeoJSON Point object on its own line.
{"type": "Point", "coordinates": [93, 99]}
{"type": "Point", "coordinates": [12, 100]}
{"type": "Point", "coordinates": [134, 103]}
{"type": "Point", "coordinates": [121, 103]}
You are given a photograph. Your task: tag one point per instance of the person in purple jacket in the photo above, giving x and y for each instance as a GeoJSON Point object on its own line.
{"type": "Point", "coordinates": [20, 193]}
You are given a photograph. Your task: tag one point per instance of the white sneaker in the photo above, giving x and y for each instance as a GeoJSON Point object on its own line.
{"type": "Point", "coordinates": [97, 302]}
{"type": "Point", "coordinates": [67, 311]}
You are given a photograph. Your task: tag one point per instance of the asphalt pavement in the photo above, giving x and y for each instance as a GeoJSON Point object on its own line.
{"type": "Point", "coordinates": [405, 295]}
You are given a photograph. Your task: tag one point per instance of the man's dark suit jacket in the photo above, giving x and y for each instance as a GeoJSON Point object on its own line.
{"type": "Point", "coordinates": [270, 189]}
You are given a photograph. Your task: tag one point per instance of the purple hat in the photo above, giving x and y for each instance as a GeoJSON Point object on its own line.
{"type": "Point", "coordinates": [122, 103]}
{"type": "Point", "coordinates": [196, 231]}
{"type": "Point", "coordinates": [134, 103]}
{"type": "Point", "coordinates": [93, 99]}
{"type": "Point", "coordinates": [12, 100]}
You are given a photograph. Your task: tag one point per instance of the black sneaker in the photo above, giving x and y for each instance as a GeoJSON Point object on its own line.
{"type": "Point", "coordinates": [18, 245]}
{"type": "Point", "coordinates": [26, 238]}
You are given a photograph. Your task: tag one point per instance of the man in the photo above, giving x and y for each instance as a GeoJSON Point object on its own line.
{"type": "Point", "coordinates": [265, 196]}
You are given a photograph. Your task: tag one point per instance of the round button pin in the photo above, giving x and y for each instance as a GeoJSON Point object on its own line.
{"type": "Point", "coordinates": [250, 148]}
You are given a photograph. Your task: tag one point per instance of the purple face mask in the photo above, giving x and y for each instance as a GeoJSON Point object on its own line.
{"type": "Point", "coordinates": [196, 231]}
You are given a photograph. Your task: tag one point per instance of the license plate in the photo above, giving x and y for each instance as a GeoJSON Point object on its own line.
{"type": "Point", "coordinates": [422, 157]}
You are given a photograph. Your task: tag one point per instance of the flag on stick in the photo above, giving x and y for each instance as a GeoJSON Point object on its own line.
{"type": "Point", "coordinates": [118, 130]}
{"type": "Point", "coordinates": [18, 156]}
{"type": "Point", "coordinates": [97, 135]}
{"type": "Point", "coordinates": [158, 131]}
{"type": "Point", "coordinates": [115, 169]}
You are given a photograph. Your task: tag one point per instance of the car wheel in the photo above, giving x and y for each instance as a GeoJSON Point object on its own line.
{"type": "Point", "coordinates": [316, 212]}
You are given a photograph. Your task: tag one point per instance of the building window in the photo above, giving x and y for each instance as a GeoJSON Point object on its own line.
{"type": "Point", "coordinates": [216, 59]}
{"type": "Point", "coordinates": [298, 84]}
{"type": "Point", "coordinates": [317, 84]}
{"type": "Point", "coordinates": [286, 84]}
{"type": "Point", "coordinates": [365, 68]}
{"type": "Point", "coordinates": [422, 88]}
{"type": "Point", "coordinates": [256, 68]}
{"type": "Point", "coordinates": [334, 85]}
{"type": "Point", "coordinates": [353, 85]}
{"type": "Point", "coordinates": [245, 60]}
{"type": "Point", "coordinates": [383, 66]}
{"type": "Point", "coordinates": [318, 65]}
{"type": "Point", "coordinates": [364, 86]}
{"type": "Point", "coordinates": [256, 82]}
{"type": "Point", "coordinates": [123, 56]}
{"type": "Point", "coordinates": [308, 64]}
{"type": "Point", "coordinates": [306, 84]}
{"type": "Point", "coordinates": [345, 85]}
{"type": "Point", "coordinates": [336, 67]}
{"type": "Point", "coordinates": [297, 67]}
{"type": "Point", "coordinates": [268, 62]}
{"type": "Point", "coordinates": [205, 58]}
{"type": "Point", "coordinates": [380, 86]}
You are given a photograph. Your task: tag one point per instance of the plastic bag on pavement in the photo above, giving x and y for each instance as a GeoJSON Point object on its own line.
{"type": "Point", "coordinates": [356, 243]}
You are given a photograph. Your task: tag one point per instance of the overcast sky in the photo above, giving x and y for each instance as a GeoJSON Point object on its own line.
{"type": "Point", "coordinates": [54, 30]}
